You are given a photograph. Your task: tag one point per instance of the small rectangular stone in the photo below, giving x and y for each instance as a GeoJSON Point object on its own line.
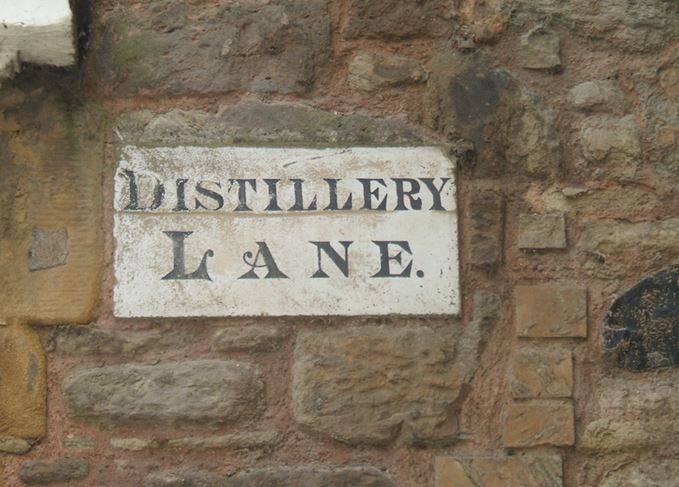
{"type": "Point", "coordinates": [542, 231]}
{"type": "Point", "coordinates": [512, 471]}
{"type": "Point", "coordinates": [539, 423]}
{"type": "Point", "coordinates": [551, 311]}
{"type": "Point", "coordinates": [545, 374]}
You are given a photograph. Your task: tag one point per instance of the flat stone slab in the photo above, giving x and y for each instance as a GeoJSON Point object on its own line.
{"type": "Point", "coordinates": [238, 231]}
{"type": "Point", "coordinates": [211, 391]}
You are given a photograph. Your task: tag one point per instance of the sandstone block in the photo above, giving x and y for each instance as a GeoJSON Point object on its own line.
{"type": "Point", "coordinates": [542, 231]}
{"type": "Point", "coordinates": [645, 26]}
{"type": "Point", "coordinates": [543, 374]}
{"type": "Point", "coordinates": [651, 473]}
{"type": "Point", "coordinates": [256, 122]}
{"type": "Point", "coordinates": [79, 443]}
{"type": "Point", "coordinates": [512, 129]}
{"type": "Point", "coordinates": [551, 311]}
{"type": "Point", "coordinates": [133, 444]}
{"type": "Point", "coordinates": [14, 446]}
{"type": "Point", "coordinates": [539, 48]}
{"type": "Point", "coordinates": [52, 204]}
{"type": "Point", "coordinates": [249, 440]}
{"type": "Point", "coordinates": [515, 471]}
{"type": "Point", "coordinates": [300, 476]}
{"type": "Point", "coordinates": [486, 235]}
{"type": "Point", "coordinates": [614, 142]}
{"type": "Point", "coordinates": [200, 391]}
{"type": "Point", "coordinates": [91, 340]}
{"type": "Point", "coordinates": [372, 384]}
{"type": "Point", "coordinates": [599, 95]}
{"type": "Point", "coordinates": [370, 71]}
{"type": "Point", "coordinates": [59, 470]}
{"type": "Point", "coordinates": [607, 236]}
{"type": "Point", "coordinates": [250, 337]}
{"type": "Point", "coordinates": [249, 46]}
{"type": "Point", "coordinates": [23, 388]}
{"type": "Point", "coordinates": [634, 414]}
{"type": "Point", "coordinates": [539, 423]}
{"type": "Point", "coordinates": [395, 19]}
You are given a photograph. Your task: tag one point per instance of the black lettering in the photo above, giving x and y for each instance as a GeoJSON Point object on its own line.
{"type": "Point", "coordinates": [273, 272]}
{"type": "Point", "coordinates": [385, 258]}
{"type": "Point", "coordinates": [181, 199]}
{"type": "Point", "coordinates": [299, 197]}
{"type": "Point", "coordinates": [210, 194]}
{"type": "Point", "coordinates": [242, 193]}
{"type": "Point", "coordinates": [179, 269]}
{"type": "Point", "coordinates": [332, 189]}
{"type": "Point", "coordinates": [401, 193]}
{"type": "Point", "coordinates": [368, 194]}
{"type": "Point", "coordinates": [341, 263]}
{"type": "Point", "coordinates": [273, 195]}
{"type": "Point", "coordinates": [158, 192]}
{"type": "Point", "coordinates": [435, 192]}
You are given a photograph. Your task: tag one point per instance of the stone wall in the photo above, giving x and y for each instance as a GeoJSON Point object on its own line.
{"type": "Point", "coordinates": [561, 368]}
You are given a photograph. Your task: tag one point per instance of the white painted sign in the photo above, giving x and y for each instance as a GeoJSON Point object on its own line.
{"type": "Point", "coordinates": [285, 232]}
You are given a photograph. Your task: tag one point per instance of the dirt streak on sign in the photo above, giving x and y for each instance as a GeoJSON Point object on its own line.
{"type": "Point", "coordinates": [270, 231]}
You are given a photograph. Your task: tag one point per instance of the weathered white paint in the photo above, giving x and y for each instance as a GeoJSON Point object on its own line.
{"type": "Point", "coordinates": [144, 254]}
{"type": "Point", "coordinates": [35, 31]}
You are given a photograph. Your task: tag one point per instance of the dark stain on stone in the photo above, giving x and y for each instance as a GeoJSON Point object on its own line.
{"type": "Point", "coordinates": [32, 372]}
{"type": "Point", "coordinates": [477, 95]}
{"type": "Point", "coordinates": [641, 329]}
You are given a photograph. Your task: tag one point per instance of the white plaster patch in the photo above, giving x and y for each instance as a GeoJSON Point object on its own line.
{"type": "Point", "coordinates": [35, 31]}
{"type": "Point", "coordinates": [239, 231]}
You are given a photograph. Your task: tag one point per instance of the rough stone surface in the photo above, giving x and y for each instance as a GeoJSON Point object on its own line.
{"type": "Point", "coordinates": [254, 46]}
{"type": "Point", "coordinates": [264, 338]}
{"type": "Point", "coordinates": [644, 25]}
{"type": "Point", "coordinates": [512, 130]}
{"type": "Point", "coordinates": [632, 414]}
{"type": "Point", "coordinates": [611, 236]}
{"type": "Point", "coordinates": [545, 374]}
{"type": "Point", "coordinates": [516, 471]}
{"type": "Point", "coordinates": [486, 213]}
{"type": "Point", "coordinates": [539, 423]}
{"type": "Point", "coordinates": [197, 391]}
{"type": "Point", "coordinates": [256, 122]}
{"type": "Point", "coordinates": [651, 473]}
{"type": "Point", "coordinates": [133, 444]}
{"type": "Point", "coordinates": [540, 49]}
{"type": "Point", "coordinates": [301, 476]}
{"type": "Point", "coordinates": [599, 95]}
{"type": "Point", "coordinates": [50, 186]}
{"type": "Point", "coordinates": [395, 18]}
{"type": "Point", "coordinates": [91, 340]}
{"type": "Point", "coordinates": [59, 470]}
{"type": "Point", "coordinates": [48, 249]}
{"type": "Point", "coordinates": [542, 231]}
{"type": "Point", "coordinates": [15, 446]}
{"type": "Point", "coordinates": [250, 439]}
{"type": "Point", "coordinates": [23, 388]}
{"type": "Point", "coordinates": [613, 142]}
{"type": "Point", "coordinates": [370, 71]}
{"type": "Point", "coordinates": [372, 384]}
{"type": "Point", "coordinates": [641, 329]}
{"type": "Point", "coordinates": [551, 311]}
{"type": "Point", "coordinates": [79, 443]}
